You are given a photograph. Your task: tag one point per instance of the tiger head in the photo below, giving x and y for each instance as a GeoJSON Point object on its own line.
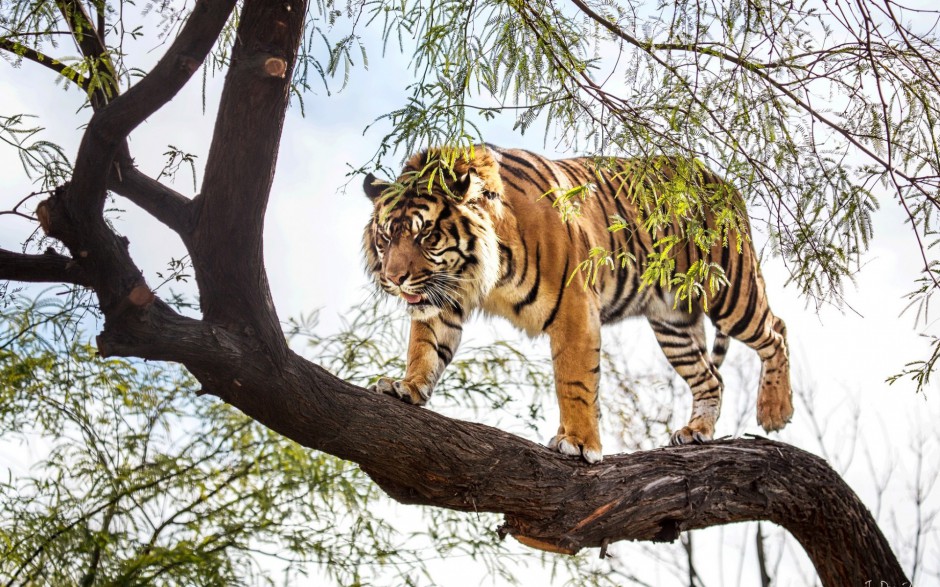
{"type": "Point", "coordinates": [432, 238]}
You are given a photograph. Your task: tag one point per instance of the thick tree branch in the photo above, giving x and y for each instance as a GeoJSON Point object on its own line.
{"type": "Point", "coordinates": [159, 200]}
{"type": "Point", "coordinates": [170, 74]}
{"type": "Point", "coordinates": [111, 125]}
{"type": "Point", "coordinates": [166, 205]}
{"type": "Point", "coordinates": [48, 267]}
{"type": "Point", "coordinates": [234, 197]}
{"type": "Point", "coordinates": [36, 57]}
{"type": "Point", "coordinates": [163, 203]}
{"type": "Point", "coordinates": [550, 501]}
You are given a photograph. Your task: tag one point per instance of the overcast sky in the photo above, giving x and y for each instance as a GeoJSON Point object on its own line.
{"type": "Point", "coordinates": [315, 220]}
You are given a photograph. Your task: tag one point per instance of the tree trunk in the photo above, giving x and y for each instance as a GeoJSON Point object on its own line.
{"type": "Point", "coordinates": [239, 354]}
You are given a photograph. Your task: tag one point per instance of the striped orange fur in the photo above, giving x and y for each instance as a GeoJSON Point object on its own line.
{"type": "Point", "coordinates": [479, 235]}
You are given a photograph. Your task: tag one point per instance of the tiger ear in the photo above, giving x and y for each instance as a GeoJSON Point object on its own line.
{"type": "Point", "coordinates": [373, 187]}
{"type": "Point", "coordinates": [461, 187]}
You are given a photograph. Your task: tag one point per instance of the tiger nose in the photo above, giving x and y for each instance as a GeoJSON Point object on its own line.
{"type": "Point", "coordinates": [397, 278]}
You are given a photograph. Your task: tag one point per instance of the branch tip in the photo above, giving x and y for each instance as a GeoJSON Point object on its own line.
{"type": "Point", "coordinates": [101, 343]}
{"type": "Point", "coordinates": [502, 531]}
{"type": "Point", "coordinates": [604, 544]}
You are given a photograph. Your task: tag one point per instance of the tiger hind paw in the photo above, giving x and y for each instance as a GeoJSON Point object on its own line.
{"type": "Point", "coordinates": [773, 413]}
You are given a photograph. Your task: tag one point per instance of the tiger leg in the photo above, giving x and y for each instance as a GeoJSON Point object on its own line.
{"type": "Point", "coordinates": [756, 326]}
{"type": "Point", "coordinates": [682, 338]}
{"type": "Point", "coordinates": [432, 344]}
{"type": "Point", "coordinates": [576, 350]}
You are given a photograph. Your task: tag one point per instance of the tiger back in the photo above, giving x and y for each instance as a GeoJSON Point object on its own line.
{"type": "Point", "coordinates": [480, 233]}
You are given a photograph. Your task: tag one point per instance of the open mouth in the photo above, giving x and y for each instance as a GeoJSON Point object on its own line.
{"type": "Point", "coordinates": [412, 299]}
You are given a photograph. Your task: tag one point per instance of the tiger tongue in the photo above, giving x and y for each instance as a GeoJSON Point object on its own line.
{"type": "Point", "coordinates": [411, 298]}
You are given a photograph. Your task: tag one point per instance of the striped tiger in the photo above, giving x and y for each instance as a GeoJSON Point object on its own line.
{"type": "Point", "coordinates": [476, 233]}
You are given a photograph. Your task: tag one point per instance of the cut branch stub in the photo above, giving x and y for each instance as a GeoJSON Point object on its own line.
{"type": "Point", "coordinates": [275, 67]}
{"type": "Point", "coordinates": [188, 64]}
{"type": "Point", "coordinates": [267, 65]}
{"type": "Point", "coordinates": [141, 296]}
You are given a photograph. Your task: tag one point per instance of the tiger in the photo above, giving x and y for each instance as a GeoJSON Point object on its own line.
{"type": "Point", "coordinates": [458, 234]}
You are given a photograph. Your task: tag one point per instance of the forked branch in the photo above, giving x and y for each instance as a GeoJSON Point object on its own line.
{"type": "Point", "coordinates": [74, 213]}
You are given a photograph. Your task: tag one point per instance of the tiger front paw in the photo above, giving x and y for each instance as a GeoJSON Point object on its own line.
{"type": "Point", "coordinates": [406, 392]}
{"type": "Point", "coordinates": [687, 435]}
{"type": "Point", "coordinates": [569, 444]}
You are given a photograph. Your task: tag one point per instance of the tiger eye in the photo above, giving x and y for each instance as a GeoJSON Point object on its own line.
{"type": "Point", "coordinates": [432, 238]}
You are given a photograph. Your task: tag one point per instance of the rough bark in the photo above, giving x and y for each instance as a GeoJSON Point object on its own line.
{"type": "Point", "coordinates": [239, 354]}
